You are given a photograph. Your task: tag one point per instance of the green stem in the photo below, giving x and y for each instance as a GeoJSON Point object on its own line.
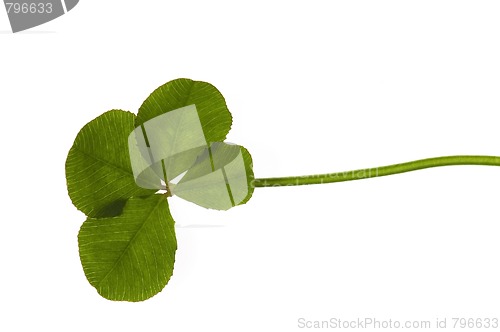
{"type": "Point", "coordinates": [366, 173]}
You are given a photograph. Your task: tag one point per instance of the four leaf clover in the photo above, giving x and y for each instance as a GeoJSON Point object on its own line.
{"type": "Point", "coordinates": [119, 166]}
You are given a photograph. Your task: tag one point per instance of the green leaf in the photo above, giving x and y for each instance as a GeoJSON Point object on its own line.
{"type": "Point", "coordinates": [214, 116]}
{"type": "Point", "coordinates": [220, 179]}
{"type": "Point", "coordinates": [130, 257]}
{"type": "Point", "coordinates": [98, 171]}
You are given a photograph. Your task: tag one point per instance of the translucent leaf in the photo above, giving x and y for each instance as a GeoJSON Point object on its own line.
{"type": "Point", "coordinates": [166, 146]}
{"type": "Point", "coordinates": [98, 171]}
{"type": "Point", "coordinates": [130, 257]}
{"type": "Point", "coordinates": [220, 178]}
{"type": "Point", "coordinates": [217, 176]}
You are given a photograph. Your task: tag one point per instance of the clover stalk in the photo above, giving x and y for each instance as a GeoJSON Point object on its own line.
{"type": "Point", "coordinates": [366, 173]}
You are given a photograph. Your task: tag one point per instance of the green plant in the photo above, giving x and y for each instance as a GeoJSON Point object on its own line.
{"type": "Point", "coordinates": [127, 244]}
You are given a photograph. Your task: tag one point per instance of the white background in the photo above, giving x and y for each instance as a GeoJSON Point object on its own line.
{"type": "Point", "coordinates": [314, 87]}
